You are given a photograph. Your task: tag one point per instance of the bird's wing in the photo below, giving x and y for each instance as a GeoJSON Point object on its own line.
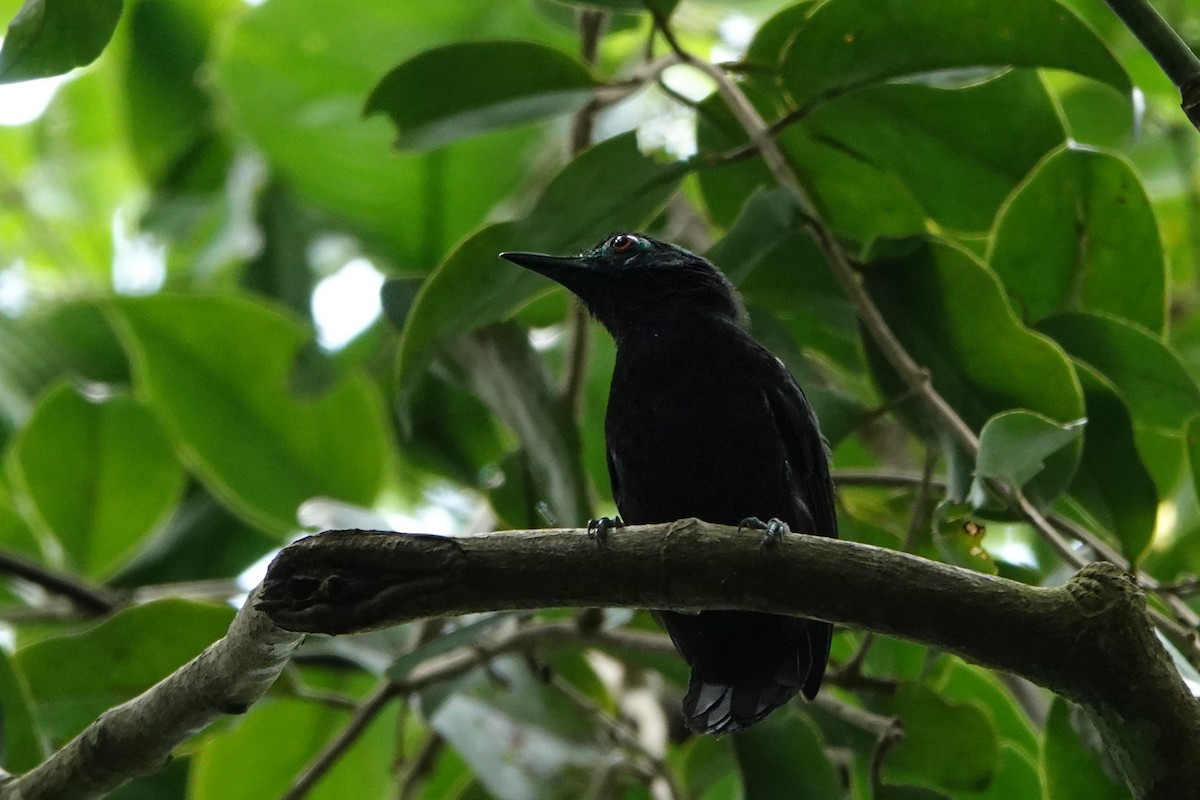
{"type": "Point", "coordinates": [806, 450]}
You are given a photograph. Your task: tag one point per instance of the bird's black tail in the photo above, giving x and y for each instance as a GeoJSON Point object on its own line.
{"type": "Point", "coordinates": [711, 707]}
{"type": "Point", "coordinates": [745, 665]}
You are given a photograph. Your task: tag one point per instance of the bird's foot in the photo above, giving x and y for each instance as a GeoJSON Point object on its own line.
{"type": "Point", "coordinates": [773, 529]}
{"type": "Point", "coordinates": [598, 528]}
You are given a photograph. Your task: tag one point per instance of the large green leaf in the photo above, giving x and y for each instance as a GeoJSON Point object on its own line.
{"type": "Point", "coordinates": [961, 682]}
{"type": "Point", "coordinates": [951, 747]}
{"type": "Point", "coordinates": [50, 37]}
{"type": "Point", "coordinates": [22, 749]}
{"type": "Point", "coordinates": [75, 677]}
{"type": "Point", "coordinates": [849, 44]}
{"type": "Point", "coordinates": [100, 475]}
{"type": "Point", "coordinates": [292, 77]}
{"type": "Point", "coordinates": [481, 86]}
{"type": "Point", "coordinates": [265, 752]}
{"type": "Point", "coordinates": [608, 187]}
{"type": "Point", "coordinates": [1112, 484]}
{"type": "Point", "coordinates": [1071, 768]}
{"type": "Point", "coordinates": [784, 758]}
{"type": "Point", "coordinates": [171, 127]}
{"type": "Point", "coordinates": [1078, 235]}
{"type": "Point", "coordinates": [218, 370]}
{"type": "Point", "coordinates": [940, 141]}
{"type": "Point", "coordinates": [858, 198]}
{"type": "Point", "coordinates": [950, 312]}
{"type": "Point", "coordinates": [1146, 372]}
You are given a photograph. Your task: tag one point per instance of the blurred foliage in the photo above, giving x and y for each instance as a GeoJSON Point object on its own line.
{"type": "Point", "coordinates": [248, 288]}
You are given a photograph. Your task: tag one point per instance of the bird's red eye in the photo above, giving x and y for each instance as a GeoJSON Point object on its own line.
{"type": "Point", "coordinates": [623, 242]}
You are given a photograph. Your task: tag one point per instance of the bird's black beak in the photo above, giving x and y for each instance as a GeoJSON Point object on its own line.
{"type": "Point", "coordinates": [563, 269]}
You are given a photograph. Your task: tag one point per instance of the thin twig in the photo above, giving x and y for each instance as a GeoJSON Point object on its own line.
{"type": "Point", "coordinates": [655, 766]}
{"type": "Point", "coordinates": [366, 714]}
{"type": "Point", "coordinates": [417, 767]}
{"type": "Point", "coordinates": [591, 24]}
{"type": "Point", "coordinates": [887, 740]}
{"type": "Point", "coordinates": [87, 597]}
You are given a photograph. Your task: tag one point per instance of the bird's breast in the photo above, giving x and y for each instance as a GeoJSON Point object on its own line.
{"type": "Point", "coordinates": [690, 433]}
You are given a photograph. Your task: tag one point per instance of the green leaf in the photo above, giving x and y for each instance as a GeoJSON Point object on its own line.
{"type": "Point", "coordinates": [849, 44]}
{"type": "Point", "coordinates": [50, 37]}
{"type": "Point", "coordinates": [73, 678]}
{"type": "Point", "coordinates": [940, 140]}
{"type": "Point", "coordinates": [784, 757]}
{"type": "Point", "coordinates": [304, 114]}
{"type": "Point", "coordinates": [608, 187]}
{"type": "Point", "coordinates": [264, 753]}
{"type": "Point", "coordinates": [1079, 235]}
{"type": "Point", "coordinates": [950, 747]}
{"type": "Point", "coordinates": [20, 747]}
{"type": "Point", "coordinates": [481, 86]}
{"type": "Point", "coordinates": [1013, 446]}
{"type": "Point", "coordinates": [218, 370]}
{"type": "Point", "coordinates": [858, 199]}
{"type": "Point", "coordinates": [950, 313]}
{"type": "Point", "coordinates": [958, 681]}
{"type": "Point", "coordinates": [100, 475]}
{"type": "Point", "coordinates": [1016, 778]}
{"type": "Point", "coordinates": [1112, 484]}
{"type": "Point", "coordinates": [1146, 372]}
{"type": "Point", "coordinates": [171, 128]}
{"type": "Point", "coordinates": [1071, 768]}
{"type": "Point", "coordinates": [523, 739]}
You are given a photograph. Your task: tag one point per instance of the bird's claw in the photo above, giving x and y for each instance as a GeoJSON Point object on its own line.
{"type": "Point", "coordinates": [773, 529]}
{"type": "Point", "coordinates": [598, 528]}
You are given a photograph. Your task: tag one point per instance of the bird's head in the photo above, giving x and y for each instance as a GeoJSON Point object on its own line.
{"type": "Point", "coordinates": [630, 282]}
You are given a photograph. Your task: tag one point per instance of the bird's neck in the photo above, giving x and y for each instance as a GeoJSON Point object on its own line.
{"type": "Point", "coordinates": [679, 331]}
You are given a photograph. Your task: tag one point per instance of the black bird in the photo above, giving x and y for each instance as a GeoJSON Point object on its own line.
{"type": "Point", "coordinates": [704, 422]}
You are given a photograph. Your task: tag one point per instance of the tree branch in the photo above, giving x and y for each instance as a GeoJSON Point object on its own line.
{"type": "Point", "coordinates": [138, 736]}
{"type": "Point", "coordinates": [1090, 640]}
{"type": "Point", "coordinates": [1171, 53]}
{"type": "Point", "coordinates": [85, 597]}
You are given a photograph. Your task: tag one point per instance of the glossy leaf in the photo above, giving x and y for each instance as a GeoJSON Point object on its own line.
{"type": "Point", "coordinates": [22, 750]}
{"type": "Point", "coordinates": [100, 475]}
{"type": "Point", "coordinates": [217, 369]}
{"type": "Point", "coordinates": [1145, 371]}
{"type": "Point", "coordinates": [1112, 484]}
{"type": "Point", "coordinates": [849, 44]}
{"type": "Point", "coordinates": [305, 115]}
{"type": "Point", "coordinates": [50, 37]}
{"type": "Point", "coordinates": [950, 747]}
{"type": "Point", "coordinates": [858, 198]}
{"type": "Point", "coordinates": [1013, 446]}
{"type": "Point", "coordinates": [1071, 769]}
{"type": "Point", "coordinates": [961, 682]}
{"type": "Point", "coordinates": [784, 757]}
{"type": "Point", "coordinates": [1016, 778]}
{"type": "Point", "coordinates": [74, 677]}
{"type": "Point", "coordinates": [480, 86]}
{"type": "Point", "coordinates": [171, 127]}
{"type": "Point", "coordinates": [1079, 235]}
{"type": "Point", "coordinates": [951, 314]}
{"type": "Point", "coordinates": [608, 187]}
{"type": "Point", "coordinates": [940, 140]}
